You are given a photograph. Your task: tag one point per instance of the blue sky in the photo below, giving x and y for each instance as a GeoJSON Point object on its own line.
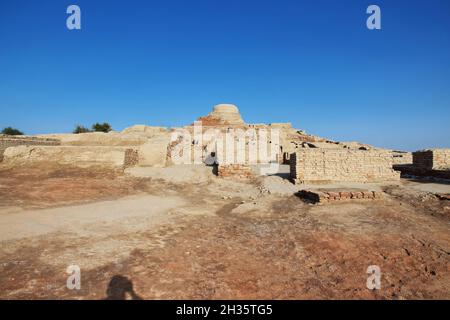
{"type": "Point", "coordinates": [313, 63]}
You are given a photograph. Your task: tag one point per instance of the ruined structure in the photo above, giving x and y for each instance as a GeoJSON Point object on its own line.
{"type": "Point", "coordinates": [223, 115]}
{"type": "Point", "coordinates": [234, 171]}
{"type": "Point", "coordinates": [321, 196]}
{"type": "Point", "coordinates": [432, 159]}
{"type": "Point", "coordinates": [137, 145]}
{"type": "Point", "coordinates": [402, 158]}
{"type": "Point", "coordinates": [331, 165]}
{"type": "Point", "coordinates": [431, 163]}
{"type": "Point", "coordinates": [79, 156]}
{"type": "Point", "coordinates": [7, 141]}
{"type": "Point", "coordinates": [226, 118]}
{"type": "Point", "coordinates": [224, 137]}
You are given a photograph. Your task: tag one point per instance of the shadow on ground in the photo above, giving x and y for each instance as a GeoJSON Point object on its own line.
{"type": "Point", "coordinates": [119, 288]}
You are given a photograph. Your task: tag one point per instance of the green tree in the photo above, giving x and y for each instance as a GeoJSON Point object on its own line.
{"type": "Point", "coordinates": [80, 129]}
{"type": "Point", "coordinates": [12, 132]}
{"type": "Point", "coordinates": [101, 127]}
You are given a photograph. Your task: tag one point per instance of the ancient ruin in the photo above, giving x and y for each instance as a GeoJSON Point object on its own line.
{"type": "Point", "coordinates": [222, 135]}
{"type": "Point", "coordinates": [432, 163]}
{"type": "Point", "coordinates": [328, 165]}
{"type": "Point", "coordinates": [220, 209]}
{"type": "Point", "coordinates": [223, 115]}
{"type": "Point", "coordinates": [12, 141]}
{"type": "Point", "coordinates": [432, 159]}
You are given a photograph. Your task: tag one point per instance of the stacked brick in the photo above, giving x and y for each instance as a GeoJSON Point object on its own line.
{"type": "Point", "coordinates": [433, 159]}
{"type": "Point", "coordinates": [7, 141]}
{"type": "Point", "coordinates": [334, 165]}
{"type": "Point", "coordinates": [401, 158]}
{"type": "Point", "coordinates": [131, 158]}
{"type": "Point", "coordinates": [234, 170]}
{"type": "Point", "coordinates": [327, 196]}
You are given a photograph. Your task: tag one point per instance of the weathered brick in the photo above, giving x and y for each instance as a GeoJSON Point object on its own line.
{"type": "Point", "coordinates": [328, 165]}
{"type": "Point", "coordinates": [7, 141]}
{"type": "Point", "coordinates": [234, 170]}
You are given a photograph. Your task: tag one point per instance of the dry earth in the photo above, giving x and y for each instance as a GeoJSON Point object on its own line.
{"type": "Point", "coordinates": [215, 238]}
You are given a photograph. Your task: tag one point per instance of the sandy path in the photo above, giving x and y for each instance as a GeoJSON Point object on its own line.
{"type": "Point", "coordinates": [31, 223]}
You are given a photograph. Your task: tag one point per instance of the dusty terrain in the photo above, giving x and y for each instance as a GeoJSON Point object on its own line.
{"type": "Point", "coordinates": [214, 238]}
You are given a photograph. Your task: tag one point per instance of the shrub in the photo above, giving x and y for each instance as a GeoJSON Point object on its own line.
{"type": "Point", "coordinates": [80, 129]}
{"type": "Point", "coordinates": [12, 132]}
{"type": "Point", "coordinates": [104, 127]}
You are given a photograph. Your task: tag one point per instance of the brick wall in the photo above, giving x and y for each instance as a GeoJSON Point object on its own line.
{"type": "Point", "coordinates": [131, 158]}
{"type": "Point", "coordinates": [433, 159]}
{"type": "Point", "coordinates": [7, 141]}
{"type": "Point", "coordinates": [116, 157]}
{"type": "Point", "coordinates": [234, 170]}
{"type": "Point", "coordinates": [329, 165]}
{"type": "Point", "coordinates": [316, 196]}
{"type": "Point", "coordinates": [402, 157]}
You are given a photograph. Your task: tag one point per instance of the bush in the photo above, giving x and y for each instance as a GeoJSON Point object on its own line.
{"type": "Point", "coordinates": [104, 127]}
{"type": "Point", "coordinates": [81, 129]}
{"type": "Point", "coordinates": [12, 132]}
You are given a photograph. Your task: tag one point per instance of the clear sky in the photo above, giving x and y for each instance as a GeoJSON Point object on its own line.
{"type": "Point", "coordinates": [313, 63]}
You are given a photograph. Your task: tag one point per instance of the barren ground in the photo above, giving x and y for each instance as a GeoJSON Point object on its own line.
{"type": "Point", "coordinates": [215, 238]}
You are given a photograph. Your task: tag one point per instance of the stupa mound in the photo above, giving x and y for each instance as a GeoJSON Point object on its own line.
{"type": "Point", "coordinates": [223, 114]}
{"type": "Point", "coordinates": [225, 108]}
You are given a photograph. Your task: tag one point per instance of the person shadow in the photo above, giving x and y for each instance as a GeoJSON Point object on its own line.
{"type": "Point", "coordinates": [121, 288]}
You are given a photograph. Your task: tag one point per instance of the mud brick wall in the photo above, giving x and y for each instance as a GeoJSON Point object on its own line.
{"type": "Point", "coordinates": [7, 141]}
{"type": "Point", "coordinates": [293, 166]}
{"type": "Point", "coordinates": [329, 165]}
{"type": "Point", "coordinates": [131, 158]}
{"type": "Point", "coordinates": [423, 159]}
{"type": "Point", "coordinates": [402, 157]}
{"type": "Point", "coordinates": [234, 170]}
{"type": "Point", "coordinates": [317, 196]}
{"type": "Point", "coordinates": [112, 157]}
{"type": "Point", "coordinates": [433, 159]}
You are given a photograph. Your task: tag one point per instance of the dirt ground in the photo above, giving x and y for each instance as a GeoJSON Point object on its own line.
{"type": "Point", "coordinates": [148, 235]}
